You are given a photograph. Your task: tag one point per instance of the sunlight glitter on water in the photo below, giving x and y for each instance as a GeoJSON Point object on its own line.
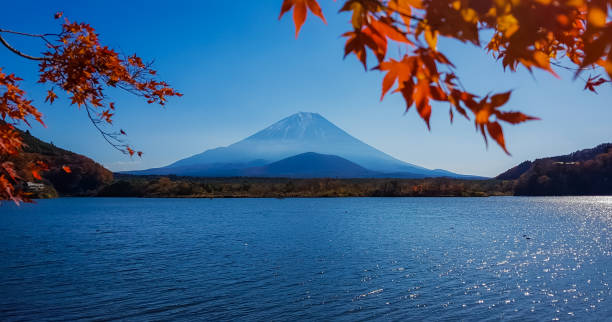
{"type": "Point", "coordinates": [294, 259]}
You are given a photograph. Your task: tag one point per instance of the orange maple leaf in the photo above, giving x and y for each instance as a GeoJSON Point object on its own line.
{"type": "Point", "coordinates": [36, 174]}
{"type": "Point", "coordinates": [358, 40]}
{"type": "Point", "coordinates": [300, 12]}
{"type": "Point", "coordinates": [51, 96]}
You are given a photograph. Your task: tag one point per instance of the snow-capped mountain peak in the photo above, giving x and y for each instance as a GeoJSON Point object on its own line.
{"type": "Point", "coordinates": [294, 135]}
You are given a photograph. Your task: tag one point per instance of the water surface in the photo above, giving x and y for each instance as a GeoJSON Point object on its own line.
{"type": "Point", "coordinates": [505, 258]}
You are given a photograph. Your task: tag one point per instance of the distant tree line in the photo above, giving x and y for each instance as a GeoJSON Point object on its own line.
{"type": "Point", "coordinates": [154, 186]}
{"type": "Point", "coordinates": [585, 172]}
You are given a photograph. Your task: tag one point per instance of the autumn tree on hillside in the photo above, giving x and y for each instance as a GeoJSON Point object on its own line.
{"type": "Point", "coordinates": [77, 65]}
{"type": "Point", "coordinates": [544, 34]}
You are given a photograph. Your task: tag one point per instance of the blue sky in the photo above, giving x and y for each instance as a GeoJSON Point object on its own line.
{"type": "Point", "coordinates": [241, 70]}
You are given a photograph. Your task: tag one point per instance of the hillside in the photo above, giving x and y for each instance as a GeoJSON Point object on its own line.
{"type": "Point", "coordinates": [86, 176]}
{"type": "Point", "coordinates": [515, 172]}
{"type": "Point", "coordinates": [584, 172]}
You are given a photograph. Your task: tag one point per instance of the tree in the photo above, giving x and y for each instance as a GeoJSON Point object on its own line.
{"type": "Point", "coordinates": [570, 34]}
{"type": "Point", "coordinates": [76, 63]}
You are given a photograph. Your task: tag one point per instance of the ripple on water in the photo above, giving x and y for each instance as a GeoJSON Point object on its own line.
{"type": "Point", "coordinates": [267, 259]}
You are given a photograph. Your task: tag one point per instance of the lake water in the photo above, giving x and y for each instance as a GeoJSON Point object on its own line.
{"type": "Point", "coordinates": [352, 259]}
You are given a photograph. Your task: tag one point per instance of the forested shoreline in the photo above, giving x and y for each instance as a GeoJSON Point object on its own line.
{"type": "Point", "coordinates": [584, 172]}
{"type": "Point", "coordinates": [190, 187]}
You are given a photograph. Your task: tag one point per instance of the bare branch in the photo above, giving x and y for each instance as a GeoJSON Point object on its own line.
{"type": "Point", "coordinates": [387, 8]}
{"type": "Point", "coordinates": [110, 138]}
{"type": "Point", "coordinates": [11, 48]}
{"type": "Point", "coordinates": [572, 68]}
{"type": "Point", "coordinates": [27, 34]}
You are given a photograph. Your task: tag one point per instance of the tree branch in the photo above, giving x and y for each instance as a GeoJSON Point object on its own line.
{"type": "Point", "coordinates": [11, 48]}
{"type": "Point", "coordinates": [27, 34]}
{"type": "Point", "coordinates": [110, 138]}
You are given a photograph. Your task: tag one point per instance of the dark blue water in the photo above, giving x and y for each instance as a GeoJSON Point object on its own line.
{"type": "Point", "coordinates": [293, 259]}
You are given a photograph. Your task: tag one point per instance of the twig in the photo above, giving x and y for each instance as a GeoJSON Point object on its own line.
{"type": "Point", "coordinates": [108, 137]}
{"type": "Point", "coordinates": [11, 48]}
{"type": "Point", "coordinates": [27, 34]}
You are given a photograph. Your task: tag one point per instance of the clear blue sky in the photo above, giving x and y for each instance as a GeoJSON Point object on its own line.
{"type": "Point", "coordinates": [241, 70]}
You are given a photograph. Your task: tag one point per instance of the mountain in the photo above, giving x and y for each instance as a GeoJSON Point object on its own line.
{"type": "Point", "coordinates": [296, 134]}
{"type": "Point", "coordinates": [291, 136]}
{"type": "Point", "coordinates": [311, 165]}
{"type": "Point", "coordinates": [584, 172]}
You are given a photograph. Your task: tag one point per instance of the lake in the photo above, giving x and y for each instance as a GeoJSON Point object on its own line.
{"type": "Point", "coordinates": [495, 258]}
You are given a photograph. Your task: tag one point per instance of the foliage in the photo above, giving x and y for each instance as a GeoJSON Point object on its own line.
{"type": "Point", "coordinates": [516, 172]}
{"type": "Point", "coordinates": [78, 64]}
{"type": "Point", "coordinates": [585, 172]}
{"type": "Point", "coordinates": [573, 34]}
{"type": "Point", "coordinates": [157, 186]}
{"type": "Point", "coordinates": [67, 173]}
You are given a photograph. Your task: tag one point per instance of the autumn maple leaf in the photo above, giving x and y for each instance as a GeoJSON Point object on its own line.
{"type": "Point", "coordinates": [51, 96]}
{"type": "Point", "coordinates": [593, 82]}
{"type": "Point", "coordinates": [300, 12]}
{"type": "Point", "coordinates": [534, 34]}
{"type": "Point", "coordinates": [357, 42]}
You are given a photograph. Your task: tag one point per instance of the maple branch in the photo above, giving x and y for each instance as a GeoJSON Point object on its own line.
{"type": "Point", "coordinates": [11, 48]}
{"type": "Point", "coordinates": [110, 138]}
{"type": "Point", "coordinates": [572, 68]}
{"type": "Point", "coordinates": [387, 8]}
{"type": "Point", "coordinates": [27, 34]}
{"type": "Point", "coordinates": [41, 36]}
{"type": "Point", "coordinates": [401, 23]}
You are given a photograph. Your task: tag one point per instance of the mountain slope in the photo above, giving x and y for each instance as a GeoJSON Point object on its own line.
{"type": "Point", "coordinates": [578, 156]}
{"type": "Point", "coordinates": [515, 172]}
{"type": "Point", "coordinates": [85, 178]}
{"type": "Point", "coordinates": [311, 165]}
{"type": "Point", "coordinates": [584, 172]}
{"type": "Point", "coordinates": [296, 134]}
{"type": "Point", "coordinates": [293, 135]}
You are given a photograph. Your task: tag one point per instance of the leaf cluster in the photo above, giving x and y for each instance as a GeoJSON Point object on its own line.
{"type": "Point", "coordinates": [534, 34]}
{"type": "Point", "coordinates": [77, 64]}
